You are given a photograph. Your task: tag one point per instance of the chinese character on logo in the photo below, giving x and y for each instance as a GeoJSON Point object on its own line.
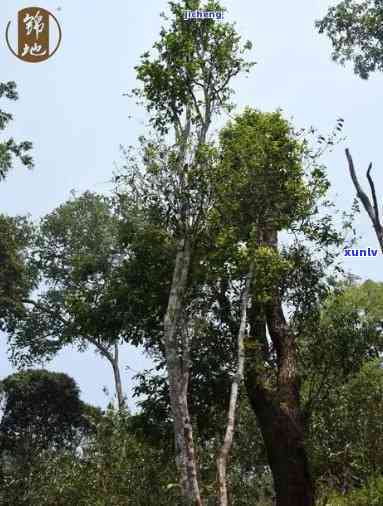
{"type": "Point", "coordinates": [34, 23]}
{"type": "Point", "coordinates": [35, 50]}
{"type": "Point", "coordinates": [39, 34]}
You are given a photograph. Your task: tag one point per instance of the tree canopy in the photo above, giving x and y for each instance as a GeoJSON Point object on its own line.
{"type": "Point", "coordinates": [355, 31]}
{"type": "Point", "coordinates": [41, 410]}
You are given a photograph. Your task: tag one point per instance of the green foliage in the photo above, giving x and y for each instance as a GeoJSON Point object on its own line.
{"type": "Point", "coordinates": [144, 282]}
{"type": "Point", "coordinates": [113, 468]}
{"type": "Point", "coordinates": [95, 283]}
{"type": "Point", "coordinates": [345, 434]}
{"type": "Point", "coordinates": [86, 249]}
{"type": "Point", "coordinates": [343, 387]}
{"type": "Point", "coordinates": [17, 277]}
{"type": "Point", "coordinates": [74, 252]}
{"type": "Point", "coordinates": [269, 269]}
{"type": "Point", "coordinates": [355, 30]}
{"type": "Point", "coordinates": [188, 56]}
{"type": "Point", "coordinates": [367, 299]}
{"type": "Point", "coordinates": [9, 148]}
{"type": "Point", "coordinates": [15, 233]}
{"type": "Point", "coordinates": [249, 477]}
{"type": "Point", "coordinates": [269, 179]}
{"type": "Point", "coordinates": [261, 174]}
{"type": "Point", "coordinates": [370, 495]}
{"type": "Point", "coordinates": [41, 410]}
{"type": "Point", "coordinates": [345, 335]}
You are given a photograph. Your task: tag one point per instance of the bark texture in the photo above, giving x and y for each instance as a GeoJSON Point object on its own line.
{"type": "Point", "coordinates": [177, 358]}
{"type": "Point", "coordinates": [117, 378]}
{"type": "Point", "coordinates": [273, 389]}
{"type": "Point", "coordinates": [229, 434]}
{"type": "Point", "coordinates": [284, 441]}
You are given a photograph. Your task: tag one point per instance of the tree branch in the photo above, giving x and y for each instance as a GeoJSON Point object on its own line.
{"type": "Point", "coordinates": [362, 196]}
{"type": "Point", "coordinates": [372, 211]}
{"type": "Point", "coordinates": [373, 193]}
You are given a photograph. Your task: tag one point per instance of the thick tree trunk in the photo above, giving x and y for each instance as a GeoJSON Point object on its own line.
{"type": "Point", "coordinates": [279, 416]}
{"type": "Point", "coordinates": [223, 456]}
{"type": "Point", "coordinates": [286, 434]}
{"type": "Point", "coordinates": [284, 440]}
{"type": "Point", "coordinates": [178, 376]}
{"type": "Point", "coordinates": [276, 402]}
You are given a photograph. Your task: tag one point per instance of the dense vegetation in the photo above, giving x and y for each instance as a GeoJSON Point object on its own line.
{"type": "Point", "coordinates": [219, 254]}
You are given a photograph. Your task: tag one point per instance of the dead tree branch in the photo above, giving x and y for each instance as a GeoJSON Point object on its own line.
{"type": "Point", "coordinates": [371, 209]}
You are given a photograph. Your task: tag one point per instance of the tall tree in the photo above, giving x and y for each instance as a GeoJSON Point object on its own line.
{"type": "Point", "coordinates": [266, 187]}
{"type": "Point", "coordinates": [41, 410]}
{"type": "Point", "coordinates": [79, 259]}
{"type": "Point", "coordinates": [42, 415]}
{"type": "Point", "coordinates": [184, 86]}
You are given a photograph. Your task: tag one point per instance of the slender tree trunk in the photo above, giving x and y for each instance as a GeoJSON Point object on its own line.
{"type": "Point", "coordinates": [178, 377]}
{"type": "Point", "coordinates": [229, 434]}
{"type": "Point", "coordinates": [117, 378]}
{"type": "Point", "coordinates": [114, 362]}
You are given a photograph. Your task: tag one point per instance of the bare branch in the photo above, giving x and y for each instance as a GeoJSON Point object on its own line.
{"type": "Point", "coordinates": [373, 193]}
{"type": "Point", "coordinates": [362, 196]}
{"type": "Point", "coordinates": [372, 211]}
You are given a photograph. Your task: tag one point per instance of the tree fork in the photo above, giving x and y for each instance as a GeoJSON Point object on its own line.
{"type": "Point", "coordinates": [371, 209]}
{"type": "Point", "coordinates": [278, 411]}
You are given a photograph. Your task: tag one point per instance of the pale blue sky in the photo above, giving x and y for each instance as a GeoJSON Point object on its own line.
{"type": "Point", "coordinates": [71, 107]}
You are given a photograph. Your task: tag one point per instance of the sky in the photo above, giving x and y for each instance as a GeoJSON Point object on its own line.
{"type": "Point", "coordinates": [72, 107]}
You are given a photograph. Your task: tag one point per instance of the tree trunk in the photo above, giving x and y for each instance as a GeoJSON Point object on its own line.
{"type": "Point", "coordinates": [229, 434]}
{"type": "Point", "coordinates": [113, 360]}
{"type": "Point", "coordinates": [117, 379]}
{"type": "Point", "coordinates": [178, 376]}
{"type": "Point", "coordinates": [285, 436]}
{"type": "Point", "coordinates": [279, 415]}
{"type": "Point", "coordinates": [284, 441]}
{"type": "Point", "coordinates": [276, 401]}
